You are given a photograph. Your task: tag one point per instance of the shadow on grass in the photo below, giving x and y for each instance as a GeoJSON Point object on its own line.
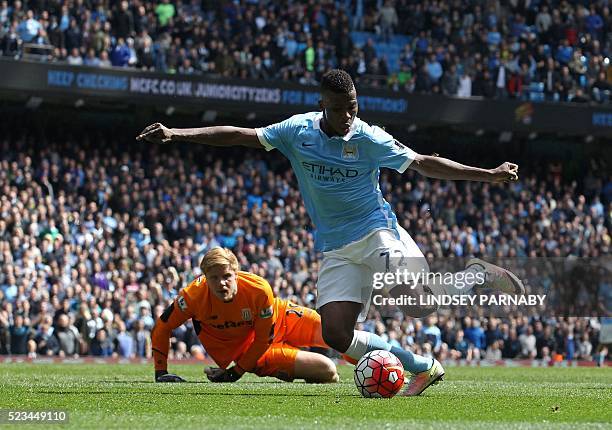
{"type": "Point", "coordinates": [148, 381]}
{"type": "Point", "coordinates": [264, 382]}
{"type": "Point", "coordinates": [233, 394]}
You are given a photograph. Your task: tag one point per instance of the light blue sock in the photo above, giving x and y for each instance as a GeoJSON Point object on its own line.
{"type": "Point", "coordinates": [364, 342]}
{"type": "Point", "coordinates": [412, 362]}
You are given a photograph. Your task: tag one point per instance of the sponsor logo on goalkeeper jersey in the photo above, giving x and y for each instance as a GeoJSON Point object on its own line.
{"type": "Point", "coordinates": [266, 313]}
{"type": "Point", "coordinates": [232, 324]}
{"type": "Point", "coordinates": [182, 304]}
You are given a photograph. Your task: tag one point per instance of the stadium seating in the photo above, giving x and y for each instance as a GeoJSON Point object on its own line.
{"type": "Point", "coordinates": [177, 38]}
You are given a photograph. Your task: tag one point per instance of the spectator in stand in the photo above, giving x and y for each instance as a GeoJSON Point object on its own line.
{"type": "Point", "coordinates": [595, 23]}
{"type": "Point", "coordinates": [104, 60]}
{"type": "Point", "coordinates": [528, 344]}
{"type": "Point", "coordinates": [91, 59]}
{"type": "Point", "coordinates": [461, 346]}
{"type": "Point", "coordinates": [601, 88]}
{"type": "Point", "coordinates": [543, 23]}
{"type": "Point", "coordinates": [145, 52]}
{"type": "Point", "coordinates": [67, 337]}
{"type": "Point", "coordinates": [570, 344]}
{"type": "Point", "coordinates": [549, 75]}
{"type": "Point", "coordinates": [585, 348]}
{"type": "Point", "coordinates": [28, 29]}
{"type": "Point", "coordinates": [475, 336]}
{"type": "Point", "coordinates": [432, 333]}
{"type": "Point", "coordinates": [102, 346]}
{"type": "Point", "coordinates": [75, 58]}
{"type": "Point", "coordinates": [10, 43]}
{"type": "Point", "coordinates": [501, 81]}
{"type": "Point", "coordinates": [565, 85]}
{"type": "Point", "coordinates": [434, 69]}
{"type": "Point", "coordinates": [165, 12]}
{"type": "Point", "coordinates": [186, 68]}
{"type": "Point", "coordinates": [511, 344]}
{"type": "Point", "coordinates": [120, 53]}
{"type": "Point", "coordinates": [465, 86]}
{"type": "Point", "coordinates": [493, 352]}
{"type": "Point", "coordinates": [123, 21]}
{"type": "Point", "coordinates": [515, 86]}
{"type": "Point", "coordinates": [5, 12]}
{"type": "Point", "coordinates": [142, 337]}
{"type": "Point", "coordinates": [20, 332]}
{"type": "Point", "coordinates": [493, 332]}
{"type": "Point", "coordinates": [44, 342]}
{"type": "Point", "coordinates": [579, 96]}
{"type": "Point", "coordinates": [125, 341]}
{"type": "Point", "coordinates": [450, 81]}
{"type": "Point", "coordinates": [5, 333]}
{"type": "Point", "coordinates": [388, 20]}
{"type": "Point", "coordinates": [73, 36]}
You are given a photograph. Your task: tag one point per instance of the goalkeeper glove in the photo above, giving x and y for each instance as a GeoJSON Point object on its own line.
{"type": "Point", "coordinates": [164, 376]}
{"type": "Point", "coordinates": [216, 374]}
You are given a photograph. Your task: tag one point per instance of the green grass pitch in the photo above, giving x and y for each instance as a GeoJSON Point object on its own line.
{"type": "Point", "coordinates": [124, 396]}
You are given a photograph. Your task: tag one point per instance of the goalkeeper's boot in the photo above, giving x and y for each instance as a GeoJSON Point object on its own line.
{"type": "Point", "coordinates": [497, 278]}
{"type": "Point", "coordinates": [420, 381]}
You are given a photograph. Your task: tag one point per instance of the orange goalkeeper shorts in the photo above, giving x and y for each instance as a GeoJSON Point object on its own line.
{"type": "Point", "coordinates": [297, 327]}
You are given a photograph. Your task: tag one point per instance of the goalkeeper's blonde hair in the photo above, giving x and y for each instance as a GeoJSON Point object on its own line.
{"type": "Point", "coordinates": [219, 257]}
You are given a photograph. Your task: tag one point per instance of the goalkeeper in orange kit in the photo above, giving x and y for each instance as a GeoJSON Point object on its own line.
{"type": "Point", "coordinates": [238, 320]}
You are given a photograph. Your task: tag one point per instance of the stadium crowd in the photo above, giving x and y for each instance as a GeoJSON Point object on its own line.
{"type": "Point", "coordinates": [97, 236]}
{"type": "Point", "coordinates": [538, 50]}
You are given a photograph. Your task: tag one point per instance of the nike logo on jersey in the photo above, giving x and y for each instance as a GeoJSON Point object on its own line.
{"type": "Point", "coordinates": [304, 144]}
{"type": "Point", "coordinates": [399, 144]}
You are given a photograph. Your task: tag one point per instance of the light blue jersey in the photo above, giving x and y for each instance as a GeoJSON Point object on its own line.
{"type": "Point", "coordinates": [338, 176]}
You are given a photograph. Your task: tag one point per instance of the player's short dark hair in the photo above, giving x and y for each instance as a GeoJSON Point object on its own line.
{"type": "Point", "coordinates": [337, 81]}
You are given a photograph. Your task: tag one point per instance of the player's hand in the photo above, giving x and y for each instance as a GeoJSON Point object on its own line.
{"type": "Point", "coordinates": [506, 172]}
{"type": "Point", "coordinates": [215, 374]}
{"type": "Point", "coordinates": [163, 376]}
{"type": "Point", "coordinates": [156, 133]}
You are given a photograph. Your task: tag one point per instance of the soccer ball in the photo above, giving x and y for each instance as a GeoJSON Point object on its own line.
{"type": "Point", "coordinates": [379, 374]}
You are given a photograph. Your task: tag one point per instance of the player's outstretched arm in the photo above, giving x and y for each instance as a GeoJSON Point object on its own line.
{"type": "Point", "coordinates": [215, 136]}
{"type": "Point", "coordinates": [443, 168]}
{"type": "Point", "coordinates": [170, 319]}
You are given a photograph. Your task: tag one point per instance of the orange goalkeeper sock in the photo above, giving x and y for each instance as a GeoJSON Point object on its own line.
{"type": "Point", "coordinates": [349, 359]}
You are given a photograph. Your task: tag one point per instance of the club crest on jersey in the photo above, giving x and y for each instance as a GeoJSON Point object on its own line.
{"type": "Point", "coordinates": [182, 304]}
{"type": "Point", "coordinates": [246, 314]}
{"type": "Point", "coordinates": [266, 313]}
{"type": "Point", "coordinates": [349, 151]}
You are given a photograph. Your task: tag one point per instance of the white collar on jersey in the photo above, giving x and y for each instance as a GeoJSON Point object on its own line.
{"type": "Point", "coordinates": [346, 137]}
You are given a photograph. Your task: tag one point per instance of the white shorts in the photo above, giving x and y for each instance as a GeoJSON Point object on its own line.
{"type": "Point", "coordinates": [346, 274]}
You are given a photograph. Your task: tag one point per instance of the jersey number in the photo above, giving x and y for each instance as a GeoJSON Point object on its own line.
{"type": "Point", "coordinates": [294, 311]}
{"type": "Point", "coordinates": [386, 254]}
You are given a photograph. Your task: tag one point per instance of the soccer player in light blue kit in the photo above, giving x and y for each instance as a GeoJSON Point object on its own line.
{"type": "Point", "coordinates": [337, 158]}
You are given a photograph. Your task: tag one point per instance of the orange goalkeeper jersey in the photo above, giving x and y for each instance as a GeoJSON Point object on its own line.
{"type": "Point", "coordinates": [240, 330]}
